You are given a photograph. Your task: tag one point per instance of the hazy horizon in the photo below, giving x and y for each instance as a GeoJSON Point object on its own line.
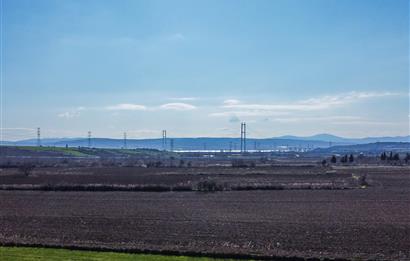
{"type": "Point", "coordinates": [198, 69]}
{"type": "Point", "coordinates": [121, 138]}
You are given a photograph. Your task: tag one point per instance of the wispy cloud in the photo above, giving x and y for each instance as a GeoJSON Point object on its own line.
{"type": "Point", "coordinates": [72, 113]}
{"type": "Point", "coordinates": [342, 99]}
{"type": "Point", "coordinates": [144, 133]}
{"type": "Point", "coordinates": [236, 107]}
{"type": "Point", "coordinates": [177, 37]}
{"type": "Point", "coordinates": [126, 107]}
{"type": "Point", "coordinates": [234, 119]}
{"type": "Point", "coordinates": [231, 102]}
{"type": "Point", "coordinates": [18, 133]}
{"type": "Point", "coordinates": [368, 122]}
{"type": "Point", "coordinates": [17, 129]}
{"type": "Point", "coordinates": [184, 98]}
{"type": "Point", "coordinates": [177, 106]}
{"type": "Point", "coordinates": [329, 119]}
{"type": "Point", "coordinates": [246, 113]}
{"type": "Point", "coordinates": [67, 114]}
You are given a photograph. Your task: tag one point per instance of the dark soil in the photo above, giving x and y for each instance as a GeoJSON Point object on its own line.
{"type": "Point", "coordinates": [227, 178]}
{"type": "Point", "coordinates": [371, 223]}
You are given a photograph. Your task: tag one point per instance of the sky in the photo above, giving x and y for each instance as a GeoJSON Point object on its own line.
{"type": "Point", "coordinates": [200, 68]}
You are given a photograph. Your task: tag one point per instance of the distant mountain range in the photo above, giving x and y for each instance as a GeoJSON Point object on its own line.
{"type": "Point", "coordinates": [351, 141]}
{"type": "Point", "coordinates": [293, 142]}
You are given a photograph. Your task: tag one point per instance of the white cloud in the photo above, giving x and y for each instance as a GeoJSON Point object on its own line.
{"type": "Point", "coordinates": [245, 113]}
{"type": "Point", "coordinates": [341, 99]}
{"type": "Point", "coordinates": [177, 106]}
{"type": "Point", "coordinates": [328, 119]}
{"type": "Point", "coordinates": [368, 122]}
{"type": "Point", "coordinates": [71, 114]}
{"type": "Point", "coordinates": [321, 103]}
{"type": "Point", "coordinates": [68, 114]}
{"type": "Point", "coordinates": [126, 107]}
{"type": "Point", "coordinates": [231, 102]}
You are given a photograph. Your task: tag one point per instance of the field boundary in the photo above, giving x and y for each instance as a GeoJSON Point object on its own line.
{"type": "Point", "coordinates": [161, 188]}
{"type": "Point", "coordinates": [172, 252]}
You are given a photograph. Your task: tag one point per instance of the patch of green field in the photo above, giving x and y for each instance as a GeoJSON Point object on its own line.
{"type": "Point", "coordinates": [66, 151]}
{"type": "Point", "coordinates": [32, 253]}
{"type": "Point", "coordinates": [145, 152]}
{"type": "Point", "coordinates": [84, 152]}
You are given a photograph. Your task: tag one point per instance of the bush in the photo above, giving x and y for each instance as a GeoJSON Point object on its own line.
{"type": "Point", "coordinates": [26, 169]}
{"type": "Point", "coordinates": [362, 181]}
{"type": "Point", "coordinates": [407, 158]}
{"type": "Point", "coordinates": [209, 186]}
{"type": "Point", "coordinates": [156, 164]}
{"type": "Point", "coordinates": [182, 187]}
{"type": "Point", "coordinates": [263, 160]}
{"type": "Point", "coordinates": [239, 164]}
{"type": "Point", "coordinates": [324, 163]}
{"type": "Point", "coordinates": [181, 163]}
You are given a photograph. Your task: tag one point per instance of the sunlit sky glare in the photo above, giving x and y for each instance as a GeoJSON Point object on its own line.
{"type": "Point", "coordinates": [199, 68]}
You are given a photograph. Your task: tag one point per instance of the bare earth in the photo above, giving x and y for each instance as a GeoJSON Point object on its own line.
{"type": "Point", "coordinates": [371, 223]}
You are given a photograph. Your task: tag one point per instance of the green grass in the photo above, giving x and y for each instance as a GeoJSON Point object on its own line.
{"type": "Point", "coordinates": [66, 151]}
{"type": "Point", "coordinates": [137, 152]}
{"type": "Point", "coordinates": [84, 152]}
{"type": "Point", "coordinates": [32, 253]}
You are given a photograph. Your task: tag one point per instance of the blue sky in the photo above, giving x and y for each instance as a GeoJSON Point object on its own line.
{"type": "Point", "coordinates": [198, 68]}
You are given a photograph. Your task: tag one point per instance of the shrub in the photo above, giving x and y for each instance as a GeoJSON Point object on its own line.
{"type": "Point", "coordinates": [26, 169]}
{"type": "Point", "coordinates": [263, 160]}
{"type": "Point", "coordinates": [158, 164]}
{"type": "Point", "coordinates": [181, 163]}
{"type": "Point", "coordinates": [239, 164]}
{"type": "Point", "coordinates": [344, 159]}
{"type": "Point", "coordinates": [324, 162]}
{"type": "Point", "coordinates": [209, 186]}
{"type": "Point", "coordinates": [407, 158]}
{"type": "Point", "coordinates": [362, 181]}
{"type": "Point", "coordinates": [182, 187]}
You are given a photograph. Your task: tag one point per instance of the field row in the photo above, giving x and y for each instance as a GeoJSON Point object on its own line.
{"type": "Point", "coordinates": [343, 224]}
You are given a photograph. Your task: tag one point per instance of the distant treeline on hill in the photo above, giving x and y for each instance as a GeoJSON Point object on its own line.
{"type": "Point", "coordinates": [286, 142]}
